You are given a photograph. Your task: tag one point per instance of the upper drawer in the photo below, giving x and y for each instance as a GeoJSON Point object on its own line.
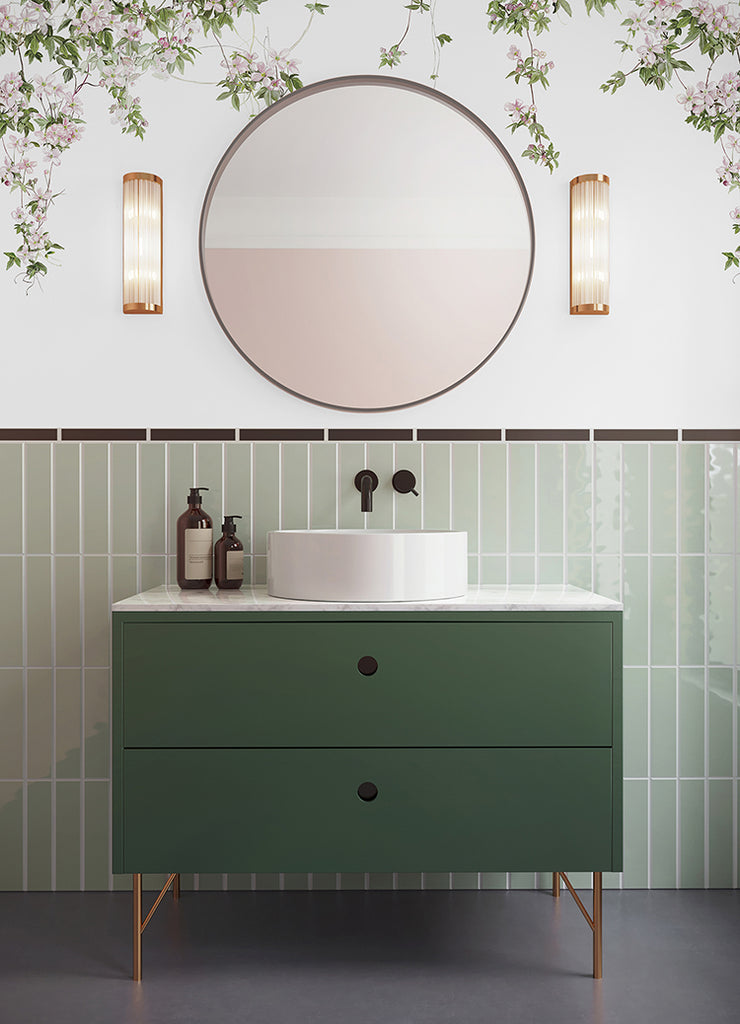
{"type": "Point", "coordinates": [268, 684]}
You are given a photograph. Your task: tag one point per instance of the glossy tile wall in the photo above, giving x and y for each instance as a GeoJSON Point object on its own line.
{"type": "Point", "coordinates": [651, 522]}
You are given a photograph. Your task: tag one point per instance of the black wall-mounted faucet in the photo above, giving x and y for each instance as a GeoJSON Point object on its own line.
{"type": "Point", "coordinates": [366, 481]}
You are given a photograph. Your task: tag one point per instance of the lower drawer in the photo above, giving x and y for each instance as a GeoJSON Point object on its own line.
{"type": "Point", "coordinates": [441, 809]}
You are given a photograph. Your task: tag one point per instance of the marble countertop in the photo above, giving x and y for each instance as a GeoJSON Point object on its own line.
{"type": "Point", "coordinates": [543, 598]}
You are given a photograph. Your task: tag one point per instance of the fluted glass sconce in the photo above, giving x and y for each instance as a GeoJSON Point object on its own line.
{"type": "Point", "coordinates": [142, 243]}
{"type": "Point", "coordinates": [589, 244]}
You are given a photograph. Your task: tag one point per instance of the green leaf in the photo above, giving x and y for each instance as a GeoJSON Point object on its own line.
{"type": "Point", "coordinates": [235, 101]}
{"type": "Point", "coordinates": [443, 38]}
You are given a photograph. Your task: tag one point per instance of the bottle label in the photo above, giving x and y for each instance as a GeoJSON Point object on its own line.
{"type": "Point", "coordinates": [198, 554]}
{"type": "Point", "coordinates": [234, 565]}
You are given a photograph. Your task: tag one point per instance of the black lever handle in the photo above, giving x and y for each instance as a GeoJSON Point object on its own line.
{"type": "Point", "coordinates": [404, 482]}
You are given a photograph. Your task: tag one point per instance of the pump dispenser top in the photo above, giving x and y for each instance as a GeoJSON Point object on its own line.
{"type": "Point", "coordinates": [229, 526]}
{"type": "Point", "coordinates": [194, 497]}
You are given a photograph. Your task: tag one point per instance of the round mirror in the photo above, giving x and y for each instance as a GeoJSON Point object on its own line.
{"type": "Point", "coordinates": [366, 243]}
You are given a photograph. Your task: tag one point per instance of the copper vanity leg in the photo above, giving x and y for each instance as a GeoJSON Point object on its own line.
{"type": "Point", "coordinates": [137, 927]}
{"type": "Point", "coordinates": [556, 884]}
{"type": "Point", "coordinates": [176, 888]}
{"type": "Point", "coordinates": [597, 924]}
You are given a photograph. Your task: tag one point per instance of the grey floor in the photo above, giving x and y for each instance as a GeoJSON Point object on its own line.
{"type": "Point", "coordinates": [371, 958]}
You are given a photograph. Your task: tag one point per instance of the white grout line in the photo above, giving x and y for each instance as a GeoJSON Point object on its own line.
{"type": "Point", "coordinates": [536, 513]}
{"type": "Point", "coordinates": [677, 613]}
{"type": "Point", "coordinates": [706, 666]}
{"type": "Point", "coordinates": [651, 615]}
{"type": "Point", "coordinates": [24, 658]}
{"type": "Point", "coordinates": [736, 582]}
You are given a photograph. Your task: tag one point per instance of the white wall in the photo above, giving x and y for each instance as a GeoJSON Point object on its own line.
{"type": "Point", "coordinates": [667, 355]}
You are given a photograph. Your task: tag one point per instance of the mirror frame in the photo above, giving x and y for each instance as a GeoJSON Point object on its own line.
{"type": "Point", "coordinates": [339, 83]}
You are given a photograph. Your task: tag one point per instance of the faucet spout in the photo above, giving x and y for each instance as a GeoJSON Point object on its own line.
{"type": "Point", "coordinates": [366, 482]}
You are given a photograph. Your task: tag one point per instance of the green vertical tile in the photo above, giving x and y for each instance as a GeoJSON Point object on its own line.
{"type": "Point", "coordinates": [209, 882]}
{"type": "Point", "coordinates": [437, 485]}
{"type": "Point", "coordinates": [153, 572]}
{"type": "Point", "coordinates": [123, 499]}
{"type": "Point", "coordinates": [692, 833]}
{"type": "Point", "coordinates": [436, 880]}
{"type": "Point", "coordinates": [325, 881]}
{"type": "Point", "coordinates": [352, 460]}
{"type": "Point", "coordinates": [11, 474]}
{"type": "Point", "coordinates": [378, 880]}
{"type": "Point", "coordinates": [607, 500]}
{"type": "Point", "coordinates": [123, 572]}
{"type": "Point", "coordinates": [38, 610]}
{"type": "Point", "coordinates": [40, 722]}
{"type": "Point", "coordinates": [97, 690]}
{"type": "Point", "coordinates": [67, 629]}
{"type": "Point", "coordinates": [663, 610]}
{"type": "Point", "coordinates": [323, 485]}
{"type": "Point", "coordinates": [267, 881]}
{"type": "Point", "coordinates": [67, 499]}
{"type": "Point", "coordinates": [493, 880]}
{"type": "Point", "coordinates": [38, 498]}
{"type": "Point", "coordinates": [152, 491]}
{"type": "Point", "coordinates": [294, 491]}
{"type": "Point", "coordinates": [258, 570]}
{"type": "Point", "coordinates": [663, 498]}
{"type": "Point", "coordinates": [11, 836]}
{"type": "Point", "coordinates": [96, 835]}
{"type": "Point", "coordinates": [691, 610]}
{"type": "Point", "coordinates": [39, 845]}
{"type": "Point", "coordinates": [691, 498]}
{"type": "Point", "coordinates": [523, 880]}
{"type": "Point", "coordinates": [473, 570]}
{"type": "Point", "coordinates": [95, 498]}
{"type": "Point", "coordinates": [663, 727]}
{"type": "Point", "coordinates": [67, 722]}
{"type": "Point", "coordinates": [170, 570]}
{"type": "Point", "coordinates": [579, 571]}
{"type": "Point", "coordinates": [97, 610]}
{"type": "Point", "coordinates": [608, 576]}
{"type": "Point", "coordinates": [180, 478]}
{"type": "Point", "coordinates": [720, 721]}
{"type": "Point", "coordinates": [578, 489]}
{"type": "Point", "coordinates": [635, 702]}
{"type": "Point", "coordinates": [691, 722]}
{"type": "Point", "coordinates": [493, 499]}
{"type": "Point", "coordinates": [663, 835]}
{"type": "Point", "coordinates": [721, 840]}
{"type": "Point", "coordinates": [295, 882]}
{"type": "Point", "coordinates": [408, 879]}
{"type": "Point", "coordinates": [635, 835]}
{"type": "Point", "coordinates": [521, 569]}
{"type": "Point", "coordinates": [408, 506]}
{"type": "Point", "coordinates": [551, 569]}
{"type": "Point", "coordinates": [209, 473]}
{"type": "Point", "coordinates": [635, 498]}
{"type": "Point", "coordinates": [380, 460]}
{"type": "Point", "coordinates": [266, 494]}
{"type": "Point", "coordinates": [720, 608]}
{"type": "Point", "coordinates": [721, 498]}
{"type": "Point", "coordinates": [550, 497]}
{"type": "Point", "coordinates": [493, 569]}
{"type": "Point", "coordinates": [238, 881]}
{"type": "Point", "coordinates": [11, 620]}
{"type": "Point", "coordinates": [636, 618]}
{"type": "Point", "coordinates": [67, 837]}
{"type": "Point", "coordinates": [521, 497]}
{"type": "Point", "coordinates": [465, 492]}
{"type": "Point", "coordinates": [11, 723]}
{"type": "Point", "coordinates": [238, 487]}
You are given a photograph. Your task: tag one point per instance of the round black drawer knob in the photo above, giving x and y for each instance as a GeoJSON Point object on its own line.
{"type": "Point", "coordinates": [367, 791]}
{"type": "Point", "coordinates": [367, 665]}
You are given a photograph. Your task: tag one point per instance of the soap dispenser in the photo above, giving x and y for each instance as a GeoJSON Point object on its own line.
{"type": "Point", "coordinates": [229, 557]}
{"type": "Point", "coordinates": [194, 545]}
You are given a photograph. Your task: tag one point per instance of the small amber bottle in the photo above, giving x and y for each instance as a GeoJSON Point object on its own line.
{"type": "Point", "coordinates": [194, 545]}
{"type": "Point", "coordinates": [229, 557]}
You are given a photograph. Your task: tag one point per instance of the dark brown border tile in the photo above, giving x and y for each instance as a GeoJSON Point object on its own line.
{"type": "Point", "coordinates": [114, 434]}
{"type": "Point", "coordinates": [204, 434]}
{"type": "Point", "coordinates": [371, 435]}
{"type": "Point", "coordinates": [710, 435]}
{"type": "Point", "coordinates": [635, 435]}
{"type": "Point", "coordinates": [27, 434]}
{"type": "Point", "coordinates": [547, 435]}
{"type": "Point", "coordinates": [458, 435]}
{"type": "Point", "coordinates": [246, 434]}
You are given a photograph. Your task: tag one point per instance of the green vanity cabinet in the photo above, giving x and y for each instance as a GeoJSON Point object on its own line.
{"type": "Point", "coordinates": [491, 740]}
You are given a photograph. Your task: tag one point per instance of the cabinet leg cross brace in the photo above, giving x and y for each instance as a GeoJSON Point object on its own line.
{"type": "Point", "coordinates": [594, 922]}
{"type": "Point", "coordinates": [139, 926]}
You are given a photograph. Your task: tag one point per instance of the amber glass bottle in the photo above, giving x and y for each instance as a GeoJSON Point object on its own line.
{"type": "Point", "coordinates": [228, 557]}
{"type": "Point", "coordinates": [194, 545]}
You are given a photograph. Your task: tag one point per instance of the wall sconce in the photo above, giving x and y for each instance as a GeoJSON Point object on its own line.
{"type": "Point", "coordinates": [589, 244]}
{"type": "Point", "coordinates": [142, 243]}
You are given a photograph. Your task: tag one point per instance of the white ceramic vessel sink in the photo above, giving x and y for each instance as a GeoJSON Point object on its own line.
{"type": "Point", "coordinates": [367, 565]}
